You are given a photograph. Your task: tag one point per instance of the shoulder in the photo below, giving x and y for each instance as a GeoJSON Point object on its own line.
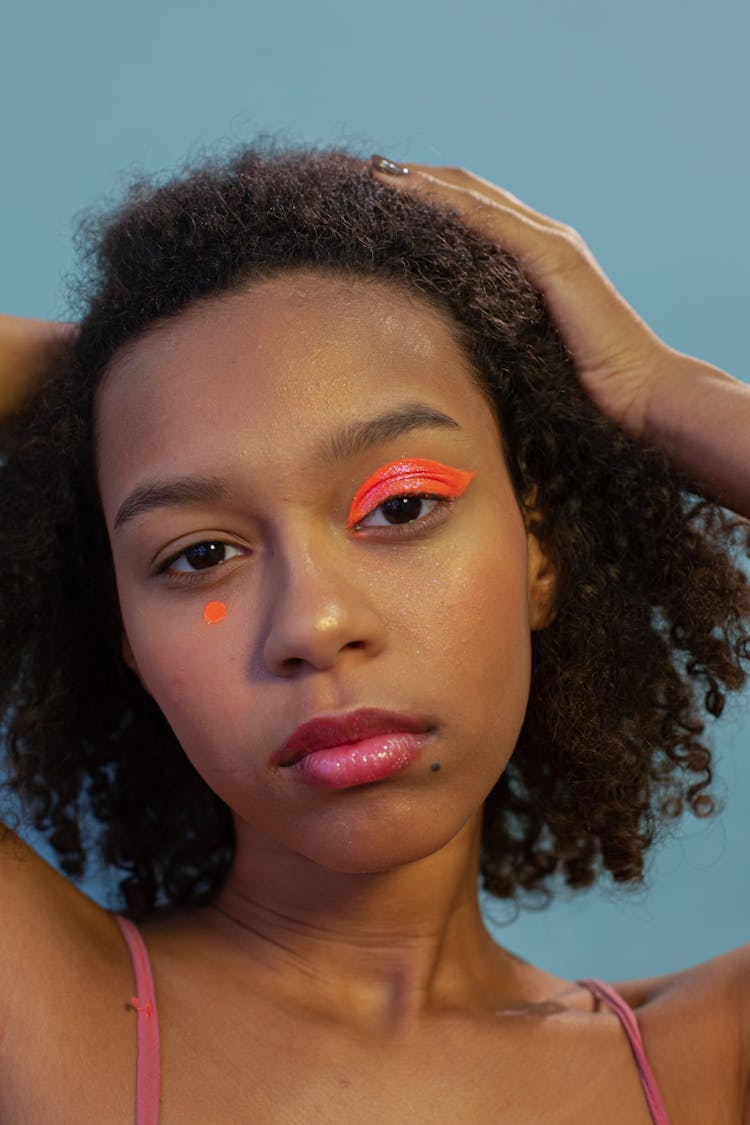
{"type": "Point", "coordinates": [49, 930]}
{"type": "Point", "coordinates": [696, 1030]}
{"type": "Point", "coordinates": [65, 979]}
{"type": "Point", "coordinates": [31, 888]}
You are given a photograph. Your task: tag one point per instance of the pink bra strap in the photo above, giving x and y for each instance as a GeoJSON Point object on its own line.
{"type": "Point", "coordinates": [630, 1025]}
{"type": "Point", "coordinates": [147, 1028]}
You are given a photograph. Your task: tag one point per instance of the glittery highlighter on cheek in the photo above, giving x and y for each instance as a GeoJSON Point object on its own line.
{"type": "Point", "coordinates": [407, 477]}
{"type": "Point", "coordinates": [214, 612]}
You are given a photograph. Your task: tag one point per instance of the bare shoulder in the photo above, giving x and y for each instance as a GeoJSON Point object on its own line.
{"type": "Point", "coordinates": [65, 978]}
{"type": "Point", "coordinates": [30, 886]}
{"type": "Point", "coordinates": [696, 1030]}
{"type": "Point", "coordinates": [47, 926]}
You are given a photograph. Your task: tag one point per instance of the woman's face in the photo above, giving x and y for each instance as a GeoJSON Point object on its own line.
{"type": "Point", "coordinates": [232, 442]}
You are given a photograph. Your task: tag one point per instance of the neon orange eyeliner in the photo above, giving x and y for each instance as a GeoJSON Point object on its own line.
{"type": "Point", "coordinates": [404, 478]}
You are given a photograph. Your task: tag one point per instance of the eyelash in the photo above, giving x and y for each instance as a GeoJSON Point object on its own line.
{"type": "Point", "coordinates": [184, 576]}
{"type": "Point", "coordinates": [441, 503]}
{"type": "Point", "coordinates": [395, 530]}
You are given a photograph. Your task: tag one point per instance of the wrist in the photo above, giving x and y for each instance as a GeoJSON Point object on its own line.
{"type": "Point", "coordinates": [700, 416]}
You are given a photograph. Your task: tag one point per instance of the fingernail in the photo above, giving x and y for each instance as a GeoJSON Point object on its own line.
{"type": "Point", "coordinates": [383, 164]}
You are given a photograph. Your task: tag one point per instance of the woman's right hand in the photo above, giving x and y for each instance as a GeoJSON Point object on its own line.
{"type": "Point", "coordinates": [27, 347]}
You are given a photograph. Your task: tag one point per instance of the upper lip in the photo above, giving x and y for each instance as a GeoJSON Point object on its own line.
{"type": "Point", "coordinates": [325, 731]}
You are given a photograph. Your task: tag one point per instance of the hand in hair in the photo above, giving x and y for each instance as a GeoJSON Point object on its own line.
{"type": "Point", "coordinates": [697, 413]}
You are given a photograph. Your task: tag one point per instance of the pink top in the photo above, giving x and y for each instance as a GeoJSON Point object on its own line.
{"type": "Point", "coordinates": [147, 1035]}
{"type": "Point", "coordinates": [627, 1018]}
{"type": "Point", "coordinates": [147, 1028]}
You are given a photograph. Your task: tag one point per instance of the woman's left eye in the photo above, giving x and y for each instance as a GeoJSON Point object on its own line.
{"type": "Point", "coordinates": [200, 556]}
{"type": "Point", "coordinates": [401, 510]}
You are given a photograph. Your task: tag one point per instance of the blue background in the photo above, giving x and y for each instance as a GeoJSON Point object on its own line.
{"type": "Point", "coordinates": [627, 121]}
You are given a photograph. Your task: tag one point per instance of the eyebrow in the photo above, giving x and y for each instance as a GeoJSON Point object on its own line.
{"type": "Point", "coordinates": [361, 436]}
{"type": "Point", "coordinates": [347, 443]}
{"type": "Point", "coordinates": [170, 493]}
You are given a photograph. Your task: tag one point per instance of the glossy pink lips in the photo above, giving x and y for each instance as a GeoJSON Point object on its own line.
{"type": "Point", "coordinates": [340, 751]}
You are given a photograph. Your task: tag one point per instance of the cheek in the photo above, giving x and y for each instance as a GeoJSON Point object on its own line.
{"type": "Point", "coordinates": [485, 644]}
{"type": "Point", "coordinates": [197, 673]}
{"type": "Point", "coordinates": [484, 603]}
{"type": "Point", "coordinates": [186, 660]}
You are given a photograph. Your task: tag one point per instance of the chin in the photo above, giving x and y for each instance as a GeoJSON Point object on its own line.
{"type": "Point", "coordinates": [378, 850]}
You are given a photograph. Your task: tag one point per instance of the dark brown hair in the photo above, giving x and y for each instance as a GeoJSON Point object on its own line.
{"type": "Point", "coordinates": [652, 623]}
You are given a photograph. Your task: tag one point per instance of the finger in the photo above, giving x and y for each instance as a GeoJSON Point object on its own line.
{"type": "Point", "coordinates": [460, 178]}
{"type": "Point", "coordinates": [554, 258]}
{"type": "Point", "coordinates": [517, 229]}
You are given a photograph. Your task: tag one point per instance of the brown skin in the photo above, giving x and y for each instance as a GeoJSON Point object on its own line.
{"type": "Point", "coordinates": [27, 347]}
{"type": "Point", "coordinates": [322, 619]}
{"type": "Point", "coordinates": [350, 975]}
{"type": "Point", "coordinates": [233, 1053]}
{"type": "Point", "coordinates": [696, 412]}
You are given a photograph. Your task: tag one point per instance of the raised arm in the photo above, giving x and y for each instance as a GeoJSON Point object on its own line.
{"type": "Point", "coordinates": [697, 413]}
{"type": "Point", "coordinates": [26, 349]}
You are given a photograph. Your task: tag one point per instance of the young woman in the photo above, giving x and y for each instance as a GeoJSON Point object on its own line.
{"type": "Point", "coordinates": [360, 540]}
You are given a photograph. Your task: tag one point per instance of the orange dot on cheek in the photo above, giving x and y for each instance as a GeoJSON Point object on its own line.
{"type": "Point", "coordinates": [214, 612]}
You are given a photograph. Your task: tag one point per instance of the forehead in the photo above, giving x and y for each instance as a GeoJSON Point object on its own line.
{"type": "Point", "coordinates": [292, 356]}
{"type": "Point", "coordinates": [298, 317]}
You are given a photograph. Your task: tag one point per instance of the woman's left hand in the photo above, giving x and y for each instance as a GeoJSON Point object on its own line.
{"type": "Point", "coordinates": [696, 412]}
{"type": "Point", "coordinates": [616, 354]}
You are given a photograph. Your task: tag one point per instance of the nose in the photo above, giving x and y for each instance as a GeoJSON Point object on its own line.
{"type": "Point", "coordinates": [317, 612]}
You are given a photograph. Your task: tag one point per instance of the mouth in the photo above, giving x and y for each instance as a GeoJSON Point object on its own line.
{"type": "Point", "coordinates": [346, 751]}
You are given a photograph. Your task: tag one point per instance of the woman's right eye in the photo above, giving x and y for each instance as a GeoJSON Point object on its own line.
{"type": "Point", "coordinates": [200, 556]}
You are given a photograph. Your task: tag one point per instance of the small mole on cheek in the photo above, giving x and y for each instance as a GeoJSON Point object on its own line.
{"type": "Point", "coordinates": [435, 767]}
{"type": "Point", "coordinates": [214, 612]}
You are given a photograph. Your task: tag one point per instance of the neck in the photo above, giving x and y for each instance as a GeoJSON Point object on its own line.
{"type": "Point", "coordinates": [386, 949]}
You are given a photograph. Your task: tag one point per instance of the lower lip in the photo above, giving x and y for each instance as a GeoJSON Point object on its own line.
{"type": "Point", "coordinates": [358, 763]}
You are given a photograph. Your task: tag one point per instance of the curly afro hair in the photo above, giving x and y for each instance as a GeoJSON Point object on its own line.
{"type": "Point", "coordinates": [651, 629]}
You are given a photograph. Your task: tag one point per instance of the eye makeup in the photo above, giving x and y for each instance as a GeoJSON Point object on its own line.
{"type": "Point", "coordinates": [407, 477]}
{"type": "Point", "coordinates": [214, 612]}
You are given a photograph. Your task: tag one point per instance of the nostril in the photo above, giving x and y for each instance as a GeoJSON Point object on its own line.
{"type": "Point", "coordinates": [291, 664]}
